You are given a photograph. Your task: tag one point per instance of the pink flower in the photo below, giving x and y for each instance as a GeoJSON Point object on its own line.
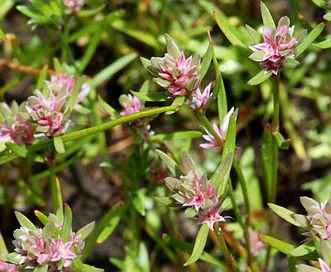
{"type": "Point", "coordinates": [75, 5]}
{"type": "Point", "coordinates": [7, 267]}
{"type": "Point", "coordinates": [180, 75]}
{"type": "Point", "coordinates": [211, 216]}
{"type": "Point", "coordinates": [48, 113]}
{"type": "Point", "coordinates": [130, 103]}
{"type": "Point", "coordinates": [319, 216]}
{"type": "Point", "coordinates": [200, 100]}
{"type": "Point", "coordinates": [61, 253]}
{"type": "Point", "coordinates": [68, 82]}
{"type": "Point", "coordinates": [14, 127]}
{"type": "Point", "coordinates": [220, 131]}
{"type": "Point", "coordinates": [279, 45]}
{"type": "Point", "coordinates": [324, 266]}
{"type": "Point", "coordinates": [256, 244]}
{"type": "Point", "coordinates": [203, 193]}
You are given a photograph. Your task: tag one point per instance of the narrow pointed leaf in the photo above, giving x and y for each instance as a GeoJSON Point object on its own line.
{"type": "Point", "coordinates": [317, 30]}
{"type": "Point", "coordinates": [230, 31]}
{"type": "Point", "coordinates": [324, 44]}
{"type": "Point", "coordinates": [179, 101]}
{"type": "Point", "coordinates": [18, 150]}
{"type": "Point", "coordinates": [302, 250]}
{"type": "Point", "coordinates": [276, 243]}
{"type": "Point", "coordinates": [284, 213]}
{"type": "Point", "coordinates": [259, 78]}
{"type": "Point", "coordinates": [58, 144]}
{"type": "Point", "coordinates": [205, 64]}
{"type": "Point", "coordinates": [24, 221]}
{"type": "Point", "coordinates": [187, 247]}
{"type": "Point", "coordinates": [267, 19]}
{"type": "Point", "coordinates": [86, 230]}
{"type": "Point", "coordinates": [67, 222]}
{"type": "Point", "coordinates": [170, 163]}
{"type": "Point", "coordinates": [3, 247]}
{"type": "Point", "coordinates": [199, 245]}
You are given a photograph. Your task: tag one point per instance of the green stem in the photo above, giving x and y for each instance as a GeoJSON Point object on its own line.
{"type": "Point", "coordinates": [275, 151]}
{"type": "Point", "coordinates": [246, 228]}
{"type": "Point", "coordinates": [92, 130]}
{"type": "Point", "coordinates": [208, 126]}
{"type": "Point", "coordinates": [275, 121]}
{"type": "Point", "coordinates": [224, 249]}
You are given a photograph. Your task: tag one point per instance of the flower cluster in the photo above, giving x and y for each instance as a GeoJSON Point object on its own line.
{"type": "Point", "coordinates": [75, 5]}
{"type": "Point", "coordinates": [195, 191]}
{"type": "Point", "coordinates": [8, 267]}
{"type": "Point", "coordinates": [34, 249]}
{"type": "Point", "coordinates": [220, 131]}
{"type": "Point", "coordinates": [13, 126]}
{"type": "Point", "coordinates": [51, 248]}
{"type": "Point", "coordinates": [131, 104]}
{"type": "Point", "coordinates": [319, 217]}
{"type": "Point", "coordinates": [47, 112]}
{"type": "Point", "coordinates": [179, 75]}
{"type": "Point", "coordinates": [174, 72]}
{"type": "Point", "coordinates": [278, 47]}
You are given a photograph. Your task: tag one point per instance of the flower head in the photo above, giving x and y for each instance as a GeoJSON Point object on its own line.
{"type": "Point", "coordinates": [211, 216]}
{"type": "Point", "coordinates": [174, 72]}
{"type": "Point", "coordinates": [13, 126]}
{"type": "Point", "coordinates": [130, 103]}
{"type": "Point", "coordinates": [220, 131]}
{"type": "Point", "coordinates": [68, 83]}
{"type": "Point", "coordinates": [319, 217]}
{"type": "Point", "coordinates": [195, 192]}
{"type": "Point", "coordinates": [48, 112]}
{"type": "Point", "coordinates": [7, 267]}
{"type": "Point", "coordinates": [75, 5]}
{"type": "Point", "coordinates": [278, 46]}
{"type": "Point", "coordinates": [200, 100]}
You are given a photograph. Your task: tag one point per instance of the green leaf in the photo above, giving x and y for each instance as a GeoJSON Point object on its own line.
{"type": "Point", "coordinates": [105, 227]}
{"type": "Point", "coordinates": [199, 245]}
{"type": "Point", "coordinates": [281, 142]}
{"type": "Point", "coordinates": [143, 36]}
{"type": "Point", "coordinates": [86, 230]}
{"type": "Point", "coordinates": [188, 248]}
{"type": "Point", "coordinates": [2, 35]}
{"type": "Point", "coordinates": [276, 243]}
{"type": "Point", "coordinates": [58, 144]}
{"type": "Point", "coordinates": [302, 250]}
{"type": "Point", "coordinates": [324, 44]}
{"type": "Point", "coordinates": [67, 222]}
{"type": "Point", "coordinates": [170, 163]}
{"type": "Point", "coordinates": [254, 34]}
{"type": "Point", "coordinates": [205, 64]}
{"type": "Point", "coordinates": [3, 247]}
{"type": "Point", "coordinates": [267, 19]}
{"type": "Point", "coordinates": [178, 101]}
{"type": "Point", "coordinates": [284, 213]}
{"type": "Point", "coordinates": [112, 69]}
{"type": "Point", "coordinates": [24, 221]}
{"type": "Point", "coordinates": [327, 16]}
{"type": "Point", "coordinates": [155, 97]}
{"type": "Point", "coordinates": [90, 12]}
{"type": "Point", "coordinates": [222, 174]}
{"type": "Point", "coordinates": [43, 268]}
{"type": "Point", "coordinates": [231, 33]}
{"type": "Point", "coordinates": [259, 78]}
{"type": "Point", "coordinates": [18, 150]}
{"type": "Point", "coordinates": [307, 268]}
{"type": "Point", "coordinates": [317, 30]}
{"type": "Point", "coordinates": [109, 109]}
{"type": "Point", "coordinates": [179, 135]}
{"type": "Point", "coordinates": [220, 91]}
{"type": "Point", "coordinates": [42, 217]}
